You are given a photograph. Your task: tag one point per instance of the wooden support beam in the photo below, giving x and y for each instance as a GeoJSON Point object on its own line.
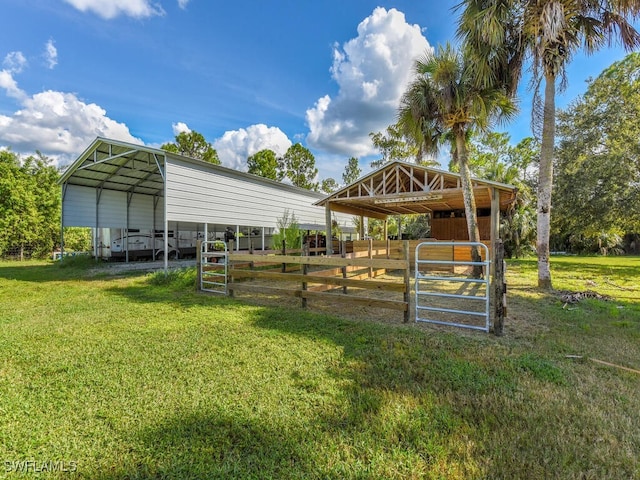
{"type": "Point", "coordinates": [407, 280]}
{"type": "Point", "coordinates": [336, 207]}
{"type": "Point", "coordinates": [499, 290]}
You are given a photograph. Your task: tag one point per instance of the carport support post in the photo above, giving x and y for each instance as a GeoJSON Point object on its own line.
{"type": "Point", "coordinates": [64, 193]}
{"type": "Point", "coordinates": [129, 197]}
{"type": "Point", "coordinates": [166, 230]}
{"type": "Point", "coordinates": [61, 237]}
{"type": "Point", "coordinates": [154, 250]}
{"type": "Point", "coordinates": [97, 233]}
{"type": "Point", "coordinates": [327, 212]}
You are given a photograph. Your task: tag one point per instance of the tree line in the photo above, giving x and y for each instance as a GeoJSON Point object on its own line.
{"type": "Point", "coordinates": [459, 93]}
{"type": "Point", "coordinates": [30, 197]}
{"type": "Point", "coordinates": [455, 100]}
{"type": "Point", "coordinates": [29, 205]}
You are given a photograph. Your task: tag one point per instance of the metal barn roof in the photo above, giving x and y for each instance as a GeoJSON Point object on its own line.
{"type": "Point", "coordinates": [109, 164]}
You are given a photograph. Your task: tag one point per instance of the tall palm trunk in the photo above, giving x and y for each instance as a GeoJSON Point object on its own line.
{"type": "Point", "coordinates": [545, 182]}
{"type": "Point", "coordinates": [469, 201]}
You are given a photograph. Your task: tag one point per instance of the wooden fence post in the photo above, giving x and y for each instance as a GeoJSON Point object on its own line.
{"type": "Point", "coordinates": [305, 270]}
{"type": "Point", "coordinates": [499, 289]}
{"type": "Point", "coordinates": [284, 252]}
{"type": "Point", "coordinates": [370, 247]}
{"type": "Point", "coordinates": [343, 254]}
{"type": "Point", "coordinates": [407, 281]}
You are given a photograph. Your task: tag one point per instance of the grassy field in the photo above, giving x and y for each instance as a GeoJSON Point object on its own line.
{"type": "Point", "coordinates": [131, 376]}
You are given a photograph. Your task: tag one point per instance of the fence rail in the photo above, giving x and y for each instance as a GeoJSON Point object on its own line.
{"type": "Point", "coordinates": [344, 278]}
{"type": "Point", "coordinates": [351, 276]}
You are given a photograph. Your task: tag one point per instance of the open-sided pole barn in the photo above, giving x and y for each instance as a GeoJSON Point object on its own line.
{"type": "Point", "coordinates": [401, 188]}
{"type": "Point", "coordinates": [115, 184]}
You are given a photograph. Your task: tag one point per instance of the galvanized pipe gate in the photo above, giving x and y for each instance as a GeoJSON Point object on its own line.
{"type": "Point", "coordinates": [213, 266]}
{"type": "Point", "coordinates": [448, 298]}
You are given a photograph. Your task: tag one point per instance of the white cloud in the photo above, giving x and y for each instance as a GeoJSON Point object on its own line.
{"type": "Point", "coordinates": [372, 71]}
{"type": "Point", "coordinates": [183, 4]}
{"type": "Point", "coordinates": [109, 9]}
{"type": "Point", "coordinates": [180, 127]}
{"type": "Point", "coordinates": [8, 83]}
{"type": "Point", "coordinates": [51, 54]}
{"type": "Point", "coordinates": [14, 62]}
{"type": "Point", "coordinates": [236, 145]}
{"type": "Point", "coordinates": [58, 124]}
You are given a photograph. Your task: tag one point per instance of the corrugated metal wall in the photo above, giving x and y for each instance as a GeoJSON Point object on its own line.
{"type": "Point", "coordinates": [79, 209]}
{"type": "Point", "coordinates": [197, 194]}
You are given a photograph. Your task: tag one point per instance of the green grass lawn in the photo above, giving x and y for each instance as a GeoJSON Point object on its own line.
{"type": "Point", "coordinates": [132, 376]}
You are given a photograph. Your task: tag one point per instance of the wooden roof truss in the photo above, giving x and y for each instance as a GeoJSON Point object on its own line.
{"type": "Point", "coordinates": [401, 188]}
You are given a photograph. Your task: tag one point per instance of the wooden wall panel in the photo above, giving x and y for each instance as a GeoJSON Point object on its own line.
{"type": "Point", "coordinates": [456, 228]}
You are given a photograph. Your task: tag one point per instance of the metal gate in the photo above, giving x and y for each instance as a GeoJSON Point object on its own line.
{"type": "Point", "coordinates": [213, 267]}
{"type": "Point", "coordinates": [446, 291]}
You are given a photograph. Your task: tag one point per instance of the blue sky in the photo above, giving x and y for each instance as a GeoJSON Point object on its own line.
{"type": "Point", "coordinates": [246, 74]}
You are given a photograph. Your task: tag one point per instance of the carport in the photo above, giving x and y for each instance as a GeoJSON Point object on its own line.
{"type": "Point", "coordinates": [115, 184]}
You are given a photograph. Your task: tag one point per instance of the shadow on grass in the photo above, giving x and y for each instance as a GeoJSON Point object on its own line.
{"type": "Point", "coordinates": [54, 272]}
{"type": "Point", "coordinates": [428, 402]}
{"type": "Point", "coordinates": [85, 270]}
{"type": "Point", "coordinates": [222, 445]}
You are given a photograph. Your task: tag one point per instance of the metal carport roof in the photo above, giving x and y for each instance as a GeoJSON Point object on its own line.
{"type": "Point", "coordinates": [112, 165]}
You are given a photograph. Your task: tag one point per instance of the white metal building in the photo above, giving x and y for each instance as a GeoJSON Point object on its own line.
{"type": "Point", "coordinates": [115, 184]}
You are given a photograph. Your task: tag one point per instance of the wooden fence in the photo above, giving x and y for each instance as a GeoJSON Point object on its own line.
{"type": "Point", "coordinates": [394, 249]}
{"type": "Point", "coordinates": [341, 278]}
{"type": "Point", "coordinates": [349, 276]}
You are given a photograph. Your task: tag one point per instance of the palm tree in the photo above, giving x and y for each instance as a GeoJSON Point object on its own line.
{"type": "Point", "coordinates": [499, 34]}
{"type": "Point", "coordinates": [444, 104]}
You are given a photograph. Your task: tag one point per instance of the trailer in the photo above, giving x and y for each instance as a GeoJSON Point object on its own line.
{"type": "Point", "coordinates": [133, 244]}
{"type": "Point", "coordinates": [139, 244]}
